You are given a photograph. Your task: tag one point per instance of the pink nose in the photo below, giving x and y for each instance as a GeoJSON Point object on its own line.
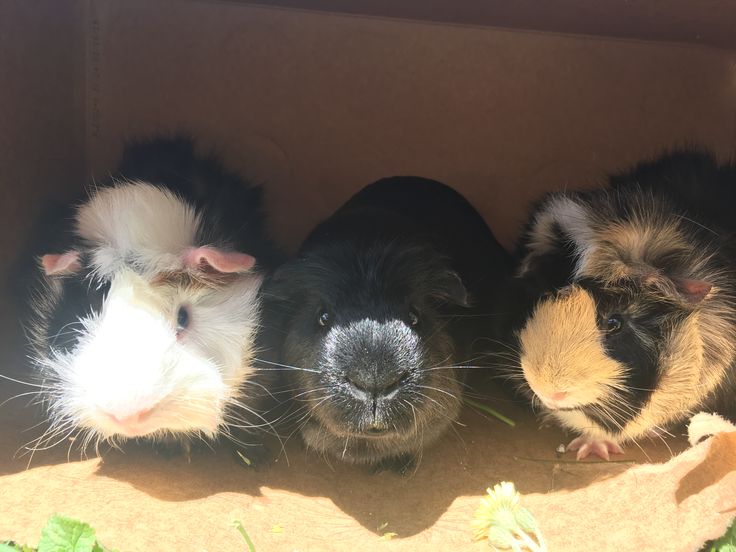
{"type": "Point", "coordinates": [132, 418]}
{"type": "Point", "coordinates": [558, 396]}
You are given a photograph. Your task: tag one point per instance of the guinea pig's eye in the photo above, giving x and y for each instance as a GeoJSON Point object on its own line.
{"type": "Point", "coordinates": [324, 319]}
{"type": "Point", "coordinates": [413, 317]}
{"type": "Point", "coordinates": [613, 324]}
{"type": "Point", "coordinates": [182, 319]}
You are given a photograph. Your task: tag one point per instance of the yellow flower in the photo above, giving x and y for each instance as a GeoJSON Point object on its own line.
{"type": "Point", "coordinates": [506, 524]}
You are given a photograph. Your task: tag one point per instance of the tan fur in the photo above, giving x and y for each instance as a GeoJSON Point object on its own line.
{"type": "Point", "coordinates": [562, 347]}
{"type": "Point", "coordinates": [625, 250]}
{"type": "Point", "coordinates": [561, 350]}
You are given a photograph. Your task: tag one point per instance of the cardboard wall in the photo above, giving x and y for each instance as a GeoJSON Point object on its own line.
{"type": "Point", "coordinates": [707, 22]}
{"type": "Point", "coordinates": [41, 109]}
{"type": "Point", "coordinates": [42, 122]}
{"type": "Point", "coordinates": [314, 105]}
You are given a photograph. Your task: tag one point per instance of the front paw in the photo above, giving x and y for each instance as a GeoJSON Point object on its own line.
{"type": "Point", "coordinates": [586, 445]}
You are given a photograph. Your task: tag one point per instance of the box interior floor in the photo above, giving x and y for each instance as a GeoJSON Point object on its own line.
{"type": "Point", "coordinates": [313, 105]}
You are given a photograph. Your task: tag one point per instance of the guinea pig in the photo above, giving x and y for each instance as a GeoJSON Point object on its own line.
{"type": "Point", "coordinates": [631, 325]}
{"type": "Point", "coordinates": [144, 319]}
{"type": "Point", "coordinates": [374, 319]}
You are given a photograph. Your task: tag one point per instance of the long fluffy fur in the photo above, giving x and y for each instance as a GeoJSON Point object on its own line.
{"type": "Point", "coordinates": [105, 337]}
{"type": "Point", "coordinates": [631, 247]}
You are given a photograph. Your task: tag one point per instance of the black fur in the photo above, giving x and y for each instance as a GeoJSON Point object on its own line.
{"type": "Point", "coordinates": [637, 344]}
{"type": "Point", "coordinates": [231, 207]}
{"type": "Point", "coordinates": [693, 179]}
{"type": "Point", "coordinates": [401, 248]}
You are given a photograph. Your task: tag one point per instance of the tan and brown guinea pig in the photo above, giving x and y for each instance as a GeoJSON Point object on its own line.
{"type": "Point", "coordinates": [630, 292]}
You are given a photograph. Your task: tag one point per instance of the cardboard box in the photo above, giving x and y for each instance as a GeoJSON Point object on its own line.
{"type": "Point", "coordinates": [501, 100]}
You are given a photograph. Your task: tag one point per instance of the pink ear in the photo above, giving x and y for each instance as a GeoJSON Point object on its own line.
{"type": "Point", "coordinates": [694, 290]}
{"type": "Point", "coordinates": [55, 264]}
{"type": "Point", "coordinates": [221, 261]}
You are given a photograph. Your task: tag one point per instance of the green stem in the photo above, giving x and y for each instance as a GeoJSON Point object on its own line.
{"type": "Point", "coordinates": [251, 546]}
{"type": "Point", "coordinates": [489, 410]}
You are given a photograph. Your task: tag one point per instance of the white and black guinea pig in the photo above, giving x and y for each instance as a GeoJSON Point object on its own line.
{"type": "Point", "coordinates": [147, 306]}
{"type": "Point", "coordinates": [371, 313]}
{"type": "Point", "coordinates": [631, 295]}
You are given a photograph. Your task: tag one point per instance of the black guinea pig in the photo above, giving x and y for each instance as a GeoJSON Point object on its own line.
{"type": "Point", "coordinates": [376, 313]}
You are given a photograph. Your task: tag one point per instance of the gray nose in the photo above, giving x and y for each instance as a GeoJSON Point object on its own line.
{"type": "Point", "coordinates": [368, 384]}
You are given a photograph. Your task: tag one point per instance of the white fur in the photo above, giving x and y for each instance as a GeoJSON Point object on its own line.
{"type": "Point", "coordinates": [573, 218]}
{"type": "Point", "coordinates": [574, 221]}
{"type": "Point", "coordinates": [137, 223]}
{"type": "Point", "coordinates": [130, 359]}
{"type": "Point", "coordinates": [705, 424]}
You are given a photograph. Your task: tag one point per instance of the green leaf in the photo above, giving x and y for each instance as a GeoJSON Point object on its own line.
{"type": "Point", "coordinates": [727, 543]}
{"type": "Point", "coordinates": [488, 410]}
{"type": "Point", "coordinates": [9, 546]}
{"type": "Point", "coordinates": [67, 535]}
{"type": "Point", "coordinates": [247, 461]}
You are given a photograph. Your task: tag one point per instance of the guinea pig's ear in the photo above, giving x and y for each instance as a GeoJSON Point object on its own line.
{"type": "Point", "coordinates": [453, 290]}
{"type": "Point", "coordinates": [212, 258]}
{"type": "Point", "coordinates": [61, 264]}
{"type": "Point", "coordinates": [693, 291]}
{"type": "Point", "coordinates": [686, 290]}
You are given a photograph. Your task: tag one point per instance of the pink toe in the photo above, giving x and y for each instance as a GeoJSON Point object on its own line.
{"type": "Point", "coordinates": [583, 451]}
{"type": "Point", "coordinates": [601, 450]}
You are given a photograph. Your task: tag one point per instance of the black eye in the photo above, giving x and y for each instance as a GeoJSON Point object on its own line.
{"type": "Point", "coordinates": [182, 319]}
{"type": "Point", "coordinates": [413, 317]}
{"type": "Point", "coordinates": [324, 318]}
{"type": "Point", "coordinates": [613, 324]}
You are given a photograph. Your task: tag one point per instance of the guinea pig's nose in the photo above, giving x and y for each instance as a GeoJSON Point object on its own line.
{"type": "Point", "coordinates": [558, 395]}
{"type": "Point", "coordinates": [368, 385]}
{"type": "Point", "coordinates": [555, 399]}
{"type": "Point", "coordinates": [131, 418]}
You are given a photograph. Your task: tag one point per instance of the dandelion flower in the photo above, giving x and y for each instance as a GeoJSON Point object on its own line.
{"type": "Point", "coordinates": [506, 524]}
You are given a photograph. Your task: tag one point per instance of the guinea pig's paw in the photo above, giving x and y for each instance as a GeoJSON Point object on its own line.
{"type": "Point", "coordinates": [400, 465]}
{"type": "Point", "coordinates": [587, 445]}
